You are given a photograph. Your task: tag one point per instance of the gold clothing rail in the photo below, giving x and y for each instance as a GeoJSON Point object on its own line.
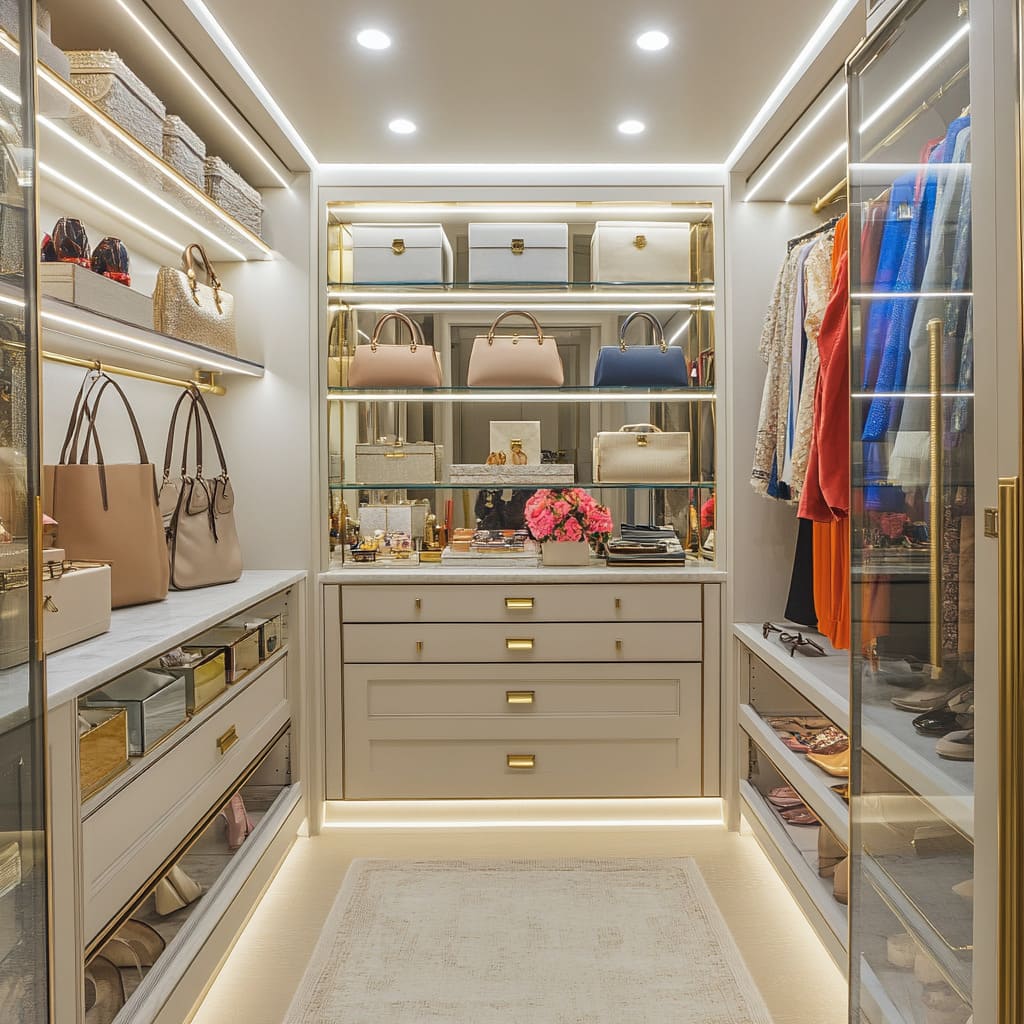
{"type": "Point", "coordinates": [204, 380]}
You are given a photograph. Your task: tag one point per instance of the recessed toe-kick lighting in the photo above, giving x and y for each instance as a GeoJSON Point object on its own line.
{"type": "Point", "coordinates": [402, 126]}
{"type": "Point", "coordinates": [654, 40]}
{"type": "Point", "coordinates": [631, 127]}
{"type": "Point", "coordinates": [373, 39]}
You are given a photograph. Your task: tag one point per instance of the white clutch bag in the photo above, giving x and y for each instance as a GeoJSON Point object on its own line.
{"type": "Point", "coordinates": [641, 453]}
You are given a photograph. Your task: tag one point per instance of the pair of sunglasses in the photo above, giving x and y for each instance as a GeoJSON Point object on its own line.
{"type": "Point", "coordinates": [792, 640]}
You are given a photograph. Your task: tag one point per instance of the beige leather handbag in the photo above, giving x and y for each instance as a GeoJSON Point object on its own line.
{"type": "Point", "coordinates": [515, 361]}
{"type": "Point", "coordinates": [191, 310]}
{"type": "Point", "coordinates": [641, 453]}
{"type": "Point", "coordinates": [199, 514]}
{"type": "Point", "coordinates": [395, 366]}
{"type": "Point", "coordinates": [108, 513]}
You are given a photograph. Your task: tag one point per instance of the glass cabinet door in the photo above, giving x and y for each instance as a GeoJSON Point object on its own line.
{"type": "Point", "coordinates": [24, 926]}
{"type": "Point", "coordinates": [912, 519]}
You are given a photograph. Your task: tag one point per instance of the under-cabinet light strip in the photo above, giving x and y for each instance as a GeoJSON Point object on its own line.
{"type": "Point", "coordinates": [871, 296]}
{"type": "Point", "coordinates": [820, 169]}
{"type": "Point", "coordinates": [901, 395]}
{"type": "Point", "coordinates": [679, 822]}
{"type": "Point", "coordinates": [585, 209]}
{"type": "Point", "coordinates": [491, 307]}
{"type": "Point", "coordinates": [535, 395]}
{"type": "Point", "coordinates": [243, 138]}
{"type": "Point", "coordinates": [350, 295]}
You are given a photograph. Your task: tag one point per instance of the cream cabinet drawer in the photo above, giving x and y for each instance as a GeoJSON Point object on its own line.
{"type": "Point", "coordinates": [126, 839]}
{"type": "Point", "coordinates": [528, 642]}
{"type": "Point", "coordinates": [654, 602]}
{"type": "Point", "coordinates": [379, 694]}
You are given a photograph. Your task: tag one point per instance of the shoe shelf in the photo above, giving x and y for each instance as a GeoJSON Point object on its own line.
{"type": "Point", "coordinates": [810, 781]}
{"type": "Point", "coordinates": [88, 161]}
{"type": "Point", "coordinates": [793, 852]}
{"type": "Point", "coordinates": [823, 681]}
{"type": "Point", "coordinates": [890, 995]}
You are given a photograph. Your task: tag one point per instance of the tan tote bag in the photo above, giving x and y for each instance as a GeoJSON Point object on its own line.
{"type": "Point", "coordinates": [395, 366]}
{"type": "Point", "coordinates": [199, 514]}
{"type": "Point", "coordinates": [108, 513]}
{"type": "Point", "coordinates": [185, 307]}
{"type": "Point", "coordinates": [514, 360]}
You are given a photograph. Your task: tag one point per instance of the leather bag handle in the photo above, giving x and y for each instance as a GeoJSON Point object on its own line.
{"type": "Point", "coordinates": [190, 272]}
{"type": "Point", "coordinates": [200, 405]}
{"type": "Point", "coordinates": [516, 312]}
{"type": "Point", "coordinates": [659, 334]}
{"type": "Point", "coordinates": [78, 413]}
{"type": "Point", "coordinates": [643, 428]}
{"type": "Point", "coordinates": [169, 447]}
{"type": "Point", "coordinates": [414, 330]}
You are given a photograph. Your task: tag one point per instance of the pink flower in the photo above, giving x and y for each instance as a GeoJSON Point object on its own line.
{"type": "Point", "coordinates": [561, 509]}
{"type": "Point", "coordinates": [572, 530]}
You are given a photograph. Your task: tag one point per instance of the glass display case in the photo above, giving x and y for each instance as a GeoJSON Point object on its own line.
{"type": "Point", "coordinates": [24, 882]}
{"type": "Point", "coordinates": [912, 518]}
{"type": "Point", "coordinates": [459, 453]}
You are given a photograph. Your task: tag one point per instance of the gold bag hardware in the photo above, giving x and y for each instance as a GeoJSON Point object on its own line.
{"type": "Point", "coordinates": [640, 241]}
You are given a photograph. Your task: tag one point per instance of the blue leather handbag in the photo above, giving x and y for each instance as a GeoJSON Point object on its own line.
{"type": "Point", "coordinates": [645, 366]}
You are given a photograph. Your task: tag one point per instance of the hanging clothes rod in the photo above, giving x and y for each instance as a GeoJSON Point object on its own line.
{"type": "Point", "coordinates": [808, 235]}
{"type": "Point", "coordinates": [204, 381]}
{"type": "Point", "coordinates": [833, 195]}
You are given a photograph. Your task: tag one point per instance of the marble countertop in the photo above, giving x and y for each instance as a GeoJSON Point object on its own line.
{"type": "Point", "coordinates": [140, 633]}
{"type": "Point", "coordinates": [597, 573]}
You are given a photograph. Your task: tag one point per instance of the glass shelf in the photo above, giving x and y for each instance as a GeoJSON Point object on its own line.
{"type": "Point", "coordinates": [515, 287]}
{"type": "Point", "coordinates": [466, 394]}
{"type": "Point", "coordinates": [480, 485]}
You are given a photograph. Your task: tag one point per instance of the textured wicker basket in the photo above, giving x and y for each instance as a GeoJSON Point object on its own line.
{"type": "Point", "coordinates": [184, 150]}
{"type": "Point", "coordinates": [234, 194]}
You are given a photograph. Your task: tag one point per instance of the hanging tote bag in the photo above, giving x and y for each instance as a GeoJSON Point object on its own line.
{"type": "Point", "coordinates": [108, 513]}
{"type": "Point", "coordinates": [641, 453]}
{"type": "Point", "coordinates": [199, 514]}
{"type": "Point", "coordinates": [515, 361]}
{"type": "Point", "coordinates": [643, 366]}
{"type": "Point", "coordinates": [395, 366]}
{"type": "Point", "coordinates": [192, 310]}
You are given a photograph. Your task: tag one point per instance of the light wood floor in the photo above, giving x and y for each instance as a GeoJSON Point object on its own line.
{"type": "Point", "coordinates": [799, 981]}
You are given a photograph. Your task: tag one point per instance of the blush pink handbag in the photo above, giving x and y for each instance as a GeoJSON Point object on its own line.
{"type": "Point", "coordinates": [395, 366]}
{"type": "Point", "coordinates": [515, 361]}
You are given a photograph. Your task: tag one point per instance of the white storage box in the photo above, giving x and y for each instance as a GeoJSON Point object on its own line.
{"type": "Point", "coordinates": [389, 465]}
{"type": "Point", "coordinates": [101, 76]}
{"type": "Point", "coordinates": [526, 432]}
{"type": "Point", "coordinates": [518, 253]}
{"type": "Point", "coordinates": [648, 251]}
{"type": "Point", "coordinates": [401, 253]}
{"type": "Point", "coordinates": [76, 607]}
{"type": "Point", "coordinates": [233, 194]}
{"type": "Point", "coordinates": [184, 150]}
{"type": "Point", "coordinates": [83, 287]}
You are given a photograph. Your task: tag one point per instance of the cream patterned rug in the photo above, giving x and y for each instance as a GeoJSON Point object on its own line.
{"type": "Point", "coordinates": [526, 942]}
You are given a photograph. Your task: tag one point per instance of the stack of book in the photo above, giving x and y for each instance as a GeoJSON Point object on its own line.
{"type": "Point", "coordinates": [645, 545]}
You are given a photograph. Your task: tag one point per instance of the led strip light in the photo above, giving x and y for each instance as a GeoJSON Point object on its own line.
{"type": "Point", "coordinates": [583, 208]}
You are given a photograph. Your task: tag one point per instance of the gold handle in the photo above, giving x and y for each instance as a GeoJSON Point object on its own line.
{"type": "Point", "coordinates": [518, 246]}
{"type": "Point", "coordinates": [520, 644]}
{"type": "Point", "coordinates": [419, 603]}
{"type": "Point", "coordinates": [618, 645]}
{"type": "Point", "coordinates": [519, 696]}
{"type": "Point", "coordinates": [228, 740]}
{"type": "Point", "coordinates": [398, 246]}
{"type": "Point", "coordinates": [419, 646]}
{"type": "Point", "coordinates": [519, 604]}
{"type": "Point", "coordinates": [618, 602]}
{"type": "Point", "coordinates": [521, 761]}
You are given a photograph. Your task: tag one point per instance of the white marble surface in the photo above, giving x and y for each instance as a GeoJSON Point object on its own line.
{"type": "Point", "coordinates": [145, 631]}
{"type": "Point", "coordinates": [595, 573]}
{"type": "Point", "coordinates": [13, 698]}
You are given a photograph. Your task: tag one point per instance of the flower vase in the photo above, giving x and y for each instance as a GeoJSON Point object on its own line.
{"type": "Point", "coordinates": [565, 552]}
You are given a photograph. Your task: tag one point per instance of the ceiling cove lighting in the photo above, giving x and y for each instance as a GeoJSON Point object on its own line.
{"type": "Point", "coordinates": [631, 127]}
{"type": "Point", "coordinates": [623, 209]}
{"type": "Point", "coordinates": [651, 41]}
{"type": "Point", "coordinates": [788, 151]}
{"type": "Point", "coordinates": [402, 126]}
{"type": "Point", "coordinates": [803, 61]}
{"type": "Point", "coordinates": [820, 169]}
{"type": "Point", "coordinates": [373, 39]}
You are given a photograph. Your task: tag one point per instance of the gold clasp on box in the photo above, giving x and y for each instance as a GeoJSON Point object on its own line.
{"type": "Point", "coordinates": [228, 740]}
{"type": "Point", "coordinates": [641, 440]}
{"type": "Point", "coordinates": [518, 246]}
{"type": "Point", "coordinates": [398, 246]}
{"type": "Point", "coordinates": [521, 760]}
{"type": "Point", "coordinates": [640, 241]}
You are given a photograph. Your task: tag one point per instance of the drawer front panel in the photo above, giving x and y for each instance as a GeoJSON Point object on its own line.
{"type": "Point", "coordinates": [655, 602]}
{"type": "Point", "coordinates": [381, 694]}
{"type": "Point", "coordinates": [528, 642]}
{"type": "Point", "coordinates": [126, 839]}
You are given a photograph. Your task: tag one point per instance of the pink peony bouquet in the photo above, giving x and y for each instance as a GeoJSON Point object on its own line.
{"type": "Point", "coordinates": [569, 515]}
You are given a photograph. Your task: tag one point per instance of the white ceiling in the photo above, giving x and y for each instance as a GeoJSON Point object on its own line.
{"type": "Point", "coordinates": [534, 81]}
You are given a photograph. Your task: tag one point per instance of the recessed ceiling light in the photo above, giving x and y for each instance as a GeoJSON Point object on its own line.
{"type": "Point", "coordinates": [402, 126]}
{"type": "Point", "coordinates": [652, 40]}
{"type": "Point", "coordinates": [631, 127]}
{"type": "Point", "coordinates": [373, 39]}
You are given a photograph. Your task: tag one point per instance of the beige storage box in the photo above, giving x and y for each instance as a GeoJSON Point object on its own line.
{"type": "Point", "coordinates": [184, 150]}
{"type": "Point", "coordinates": [401, 254]}
{"type": "Point", "coordinates": [518, 254]}
{"type": "Point", "coordinates": [73, 283]}
{"type": "Point", "coordinates": [76, 607]}
{"type": "Point", "coordinates": [52, 56]}
{"type": "Point", "coordinates": [101, 76]}
{"type": "Point", "coordinates": [241, 648]}
{"type": "Point", "coordinates": [206, 677]}
{"type": "Point", "coordinates": [233, 194]}
{"type": "Point", "coordinates": [652, 252]}
{"type": "Point", "coordinates": [404, 465]}
{"type": "Point", "coordinates": [155, 701]}
{"type": "Point", "coordinates": [549, 474]}
{"type": "Point", "coordinates": [401, 517]}
{"type": "Point", "coordinates": [103, 749]}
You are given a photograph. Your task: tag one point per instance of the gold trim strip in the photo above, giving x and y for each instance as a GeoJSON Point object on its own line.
{"type": "Point", "coordinates": [935, 491]}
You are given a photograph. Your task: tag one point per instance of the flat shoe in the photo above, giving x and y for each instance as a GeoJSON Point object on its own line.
{"type": "Point", "coordinates": [957, 746]}
{"type": "Point", "coordinates": [842, 791]}
{"type": "Point", "coordinates": [107, 991]}
{"type": "Point", "coordinates": [801, 816]}
{"type": "Point", "coordinates": [935, 723]}
{"type": "Point", "coordinates": [835, 764]}
{"type": "Point", "coordinates": [785, 797]}
{"type": "Point", "coordinates": [931, 698]}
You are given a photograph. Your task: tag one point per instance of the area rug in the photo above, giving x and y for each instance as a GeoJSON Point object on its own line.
{"type": "Point", "coordinates": [526, 942]}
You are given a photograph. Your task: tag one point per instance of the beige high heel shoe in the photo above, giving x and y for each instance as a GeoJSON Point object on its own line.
{"type": "Point", "coordinates": [830, 852]}
{"type": "Point", "coordinates": [841, 881]}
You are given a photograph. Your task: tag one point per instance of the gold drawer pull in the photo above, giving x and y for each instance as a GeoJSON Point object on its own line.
{"type": "Point", "coordinates": [618, 645]}
{"type": "Point", "coordinates": [228, 740]}
{"type": "Point", "coordinates": [419, 646]}
{"type": "Point", "coordinates": [519, 696]}
{"type": "Point", "coordinates": [521, 761]}
{"type": "Point", "coordinates": [519, 603]}
{"type": "Point", "coordinates": [520, 644]}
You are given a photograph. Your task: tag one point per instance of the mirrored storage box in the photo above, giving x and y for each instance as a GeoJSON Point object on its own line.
{"type": "Point", "coordinates": [155, 701]}
{"type": "Point", "coordinates": [102, 747]}
{"type": "Point", "coordinates": [239, 644]}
